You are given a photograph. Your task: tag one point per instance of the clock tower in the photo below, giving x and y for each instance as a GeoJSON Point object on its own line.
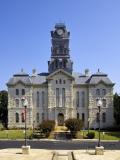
{"type": "Point", "coordinates": [60, 58]}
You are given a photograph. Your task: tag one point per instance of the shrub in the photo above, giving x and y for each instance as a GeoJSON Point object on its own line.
{"type": "Point", "coordinates": [47, 126]}
{"type": "Point", "coordinates": [90, 135]}
{"type": "Point", "coordinates": [74, 125]}
{"type": "Point", "coordinates": [1, 127]}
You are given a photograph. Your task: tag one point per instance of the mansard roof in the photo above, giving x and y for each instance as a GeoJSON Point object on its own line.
{"type": "Point", "coordinates": [19, 79]}
{"type": "Point", "coordinates": [41, 78]}
{"type": "Point", "coordinates": [94, 79]}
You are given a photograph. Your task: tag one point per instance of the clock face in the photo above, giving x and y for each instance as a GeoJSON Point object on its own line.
{"type": "Point", "coordinates": [59, 31]}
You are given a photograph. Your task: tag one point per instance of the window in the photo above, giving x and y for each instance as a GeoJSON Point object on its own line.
{"type": "Point", "coordinates": [98, 92]}
{"type": "Point", "coordinates": [77, 98]}
{"type": "Point", "coordinates": [17, 92]}
{"type": "Point", "coordinates": [37, 117]}
{"type": "Point", "coordinates": [56, 82]}
{"type": "Point", "coordinates": [17, 117]}
{"type": "Point", "coordinates": [43, 98]}
{"type": "Point", "coordinates": [43, 117]}
{"type": "Point", "coordinates": [60, 81]}
{"type": "Point", "coordinates": [78, 116]}
{"type": "Point", "coordinates": [63, 97]}
{"type": "Point", "coordinates": [104, 117]}
{"type": "Point", "coordinates": [57, 97]}
{"type": "Point", "coordinates": [64, 81]}
{"type": "Point", "coordinates": [104, 102]}
{"type": "Point", "coordinates": [104, 92]}
{"type": "Point", "coordinates": [23, 117]}
{"type": "Point", "coordinates": [17, 102]}
{"type": "Point", "coordinates": [38, 99]}
{"type": "Point", "coordinates": [22, 102]}
{"type": "Point", "coordinates": [83, 117]}
{"type": "Point", "coordinates": [64, 64]}
{"type": "Point", "coordinates": [97, 117]}
{"type": "Point", "coordinates": [23, 91]}
{"type": "Point", "coordinates": [83, 98]}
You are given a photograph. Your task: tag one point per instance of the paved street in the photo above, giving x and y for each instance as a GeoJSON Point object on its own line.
{"type": "Point", "coordinates": [41, 154]}
{"type": "Point", "coordinates": [58, 145]}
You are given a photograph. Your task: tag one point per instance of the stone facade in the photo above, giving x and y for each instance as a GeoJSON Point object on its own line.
{"type": "Point", "coordinates": [60, 94]}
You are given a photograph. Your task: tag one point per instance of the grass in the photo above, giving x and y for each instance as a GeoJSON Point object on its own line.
{"type": "Point", "coordinates": [104, 136]}
{"type": "Point", "coordinates": [19, 134]}
{"type": "Point", "coordinates": [14, 134]}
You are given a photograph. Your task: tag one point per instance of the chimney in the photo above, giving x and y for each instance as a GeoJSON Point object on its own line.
{"type": "Point", "coordinates": [86, 72]}
{"type": "Point", "coordinates": [34, 73]}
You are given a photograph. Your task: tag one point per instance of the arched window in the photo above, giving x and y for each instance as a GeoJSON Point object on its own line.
{"type": "Point", "coordinates": [63, 97]}
{"type": "Point", "coordinates": [37, 117]}
{"type": "Point", "coordinates": [22, 102]}
{"type": "Point", "coordinates": [97, 117]}
{"type": "Point", "coordinates": [23, 117]}
{"type": "Point", "coordinates": [17, 92]}
{"type": "Point", "coordinates": [17, 102]}
{"type": "Point", "coordinates": [23, 91]}
{"type": "Point", "coordinates": [98, 92]}
{"type": "Point", "coordinates": [78, 116]}
{"type": "Point", "coordinates": [104, 102]}
{"type": "Point", "coordinates": [83, 98]}
{"type": "Point", "coordinates": [43, 98]}
{"type": "Point", "coordinates": [57, 97]}
{"type": "Point", "coordinates": [104, 92]}
{"type": "Point", "coordinates": [43, 117]}
{"type": "Point", "coordinates": [83, 117]}
{"type": "Point", "coordinates": [38, 99]}
{"type": "Point", "coordinates": [17, 117]}
{"type": "Point", "coordinates": [77, 98]}
{"type": "Point", "coordinates": [104, 117]}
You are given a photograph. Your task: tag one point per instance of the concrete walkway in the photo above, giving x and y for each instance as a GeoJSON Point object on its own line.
{"type": "Point", "coordinates": [39, 154]}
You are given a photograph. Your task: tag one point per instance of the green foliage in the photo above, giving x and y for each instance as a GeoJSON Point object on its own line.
{"type": "Point", "coordinates": [3, 107]}
{"type": "Point", "coordinates": [1, 127]}
{"type": "Point", "coordinates": [47, 126]}
{"type": "Point", "coordinates": [37, 134]}
{"type": "Point", "coordinates": [116, 103]}
{"type": "Point", "coordinates": [90, 135]}
{"type": "Point", "coordinates": [74, 125]}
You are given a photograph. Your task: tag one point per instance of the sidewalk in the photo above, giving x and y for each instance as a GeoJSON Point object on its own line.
{"type": "Point", "coordinates": [41, 154]}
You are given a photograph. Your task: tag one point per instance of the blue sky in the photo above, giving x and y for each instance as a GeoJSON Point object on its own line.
{"type": "Point", "coordinates": [25, 40]}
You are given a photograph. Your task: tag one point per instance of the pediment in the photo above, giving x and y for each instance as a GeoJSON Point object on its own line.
{"type": "Point", "coordinates": [60, 71]}
{"type": "Point", "coordinates": [19, 82]}
{"type": "Point", "coordinates": [102, 82]}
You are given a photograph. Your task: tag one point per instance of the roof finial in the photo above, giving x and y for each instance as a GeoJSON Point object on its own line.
{"type": "Point", "coordinates": [22, 70]}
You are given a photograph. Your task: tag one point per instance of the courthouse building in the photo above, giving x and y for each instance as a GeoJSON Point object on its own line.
{"type": "Point", "coordinates": [60, 93]}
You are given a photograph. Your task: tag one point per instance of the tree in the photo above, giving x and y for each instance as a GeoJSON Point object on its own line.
{"type": "Point", "coordinates": [74, 125]}
{"type": "Point", "coordinates": [3, 107]}
{"type": "Point", "coordinates": [116, 103]}
{"type": "Point", "coordinates": [47, 126]}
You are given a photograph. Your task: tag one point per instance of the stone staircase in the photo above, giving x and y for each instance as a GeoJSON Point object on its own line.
{"type": "Point", "coordinates": [61, 133]}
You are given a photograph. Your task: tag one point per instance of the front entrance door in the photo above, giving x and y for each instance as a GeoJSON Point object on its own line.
{"type": "Point", "coordinates": [60, 119]}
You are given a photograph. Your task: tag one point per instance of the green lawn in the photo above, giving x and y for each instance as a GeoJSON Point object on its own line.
{"type": "Point", "coordinates": [14, 134]}
{"type": "Point", "coordinates": [105, 136]}
{"type": "Point", "coordinates": [19, 134]}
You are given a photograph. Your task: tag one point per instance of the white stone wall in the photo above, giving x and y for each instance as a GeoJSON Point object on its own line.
{"type": "Point", "coordinates": [12, 109]}
{"type": "Point", "coordinates": [93, 109]}
{"type": "Point", "coordinates": [49, 108]}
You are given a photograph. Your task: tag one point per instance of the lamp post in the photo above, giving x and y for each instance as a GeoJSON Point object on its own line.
{"type": "Point", "coordinates": [99, 105]}
{"type": "Point", "coordinates": [25, 105]}
{"type": "Point", "coordinates": [25, 148]}
{"type": "Point", "coordinates": [88, 125]}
